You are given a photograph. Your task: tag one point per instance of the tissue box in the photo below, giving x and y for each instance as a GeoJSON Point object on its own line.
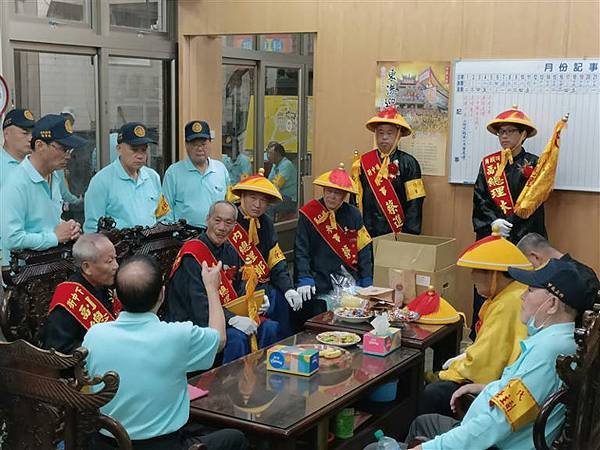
{"type": "Point", "coordinates": [292, 359]}
{"type": "Point", "coordinates": [381, 345]}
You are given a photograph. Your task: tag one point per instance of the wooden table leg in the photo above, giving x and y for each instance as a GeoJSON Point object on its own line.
{"type": "Point", "coordinates": [322, 434]}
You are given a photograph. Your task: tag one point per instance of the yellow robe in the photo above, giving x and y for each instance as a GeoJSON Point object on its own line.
{"type": "Point", "coordinates": [497, 343]}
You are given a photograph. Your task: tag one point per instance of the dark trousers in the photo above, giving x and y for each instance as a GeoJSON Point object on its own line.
{"type": "Point", "coordinates": [435, 398]}
{"type": "Point", "coordinates": [238, 342]}
{"type": "Point", "coordinates": [279, 311]}
{"type": "Point", "coordinates": [429, 426]}
{"type": "Point", "coordinates": [310, 309]}
{"type": "Point", "coordinates": [225, 439]}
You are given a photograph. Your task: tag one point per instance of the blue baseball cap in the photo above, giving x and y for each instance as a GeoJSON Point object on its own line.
{"type": "Point", "coordinates": [197, 129]}
{"type": "Point", "coordinates": [55, 127]}
{"type": "Point", "coordinates": [563, 280]}
{"type": "Point", "coordinates": [22, 118]}
{"type": "Point", "coordinates": [134, 133]}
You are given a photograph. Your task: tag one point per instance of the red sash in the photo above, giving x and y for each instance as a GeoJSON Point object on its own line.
{"type": "Point", "coordinates": [201, 253]}
{"type": "Point", "coordinates": [497, 187]}
{"type": "Point", "coordinates": [240, 240]}
{"type": "Point", "coordinates": [82, 305]}
{"type": "Point", "coordinates": [343, 243]}
{"type": "Point", "coordinates": [384, 192]}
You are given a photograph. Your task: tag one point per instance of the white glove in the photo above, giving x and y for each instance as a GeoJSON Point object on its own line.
{"type": "Point", "coordinates": [294, 299]}
{"type": "Point", "coordinates": [451, 360]}
{"type": "Point", "coordinates": [306, 292]}
{"type": "Point", "coordinates": [244, 324]}
{"type": "Point", "coordinates": [504, 226]}
{"type": "Point", "coordinates": [265, 306]}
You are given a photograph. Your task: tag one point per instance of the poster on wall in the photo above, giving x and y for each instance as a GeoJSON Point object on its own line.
{"type": "Point", "coordinates": [419, 90]}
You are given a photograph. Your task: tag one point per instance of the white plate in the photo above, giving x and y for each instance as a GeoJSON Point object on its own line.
{"type": "Point", "coordinates": [338, 334]}
{"type": "Point", "coordinates": [349, 318]}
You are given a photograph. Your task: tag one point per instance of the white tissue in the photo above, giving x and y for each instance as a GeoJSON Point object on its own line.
{"type": "Point", "coordinates": [381, 324]}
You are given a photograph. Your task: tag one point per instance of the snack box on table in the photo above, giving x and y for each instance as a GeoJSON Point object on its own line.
{"type": "Point", "coordinates": [292, 359]}
{"type": "Point", "coordinates": [382, 345]}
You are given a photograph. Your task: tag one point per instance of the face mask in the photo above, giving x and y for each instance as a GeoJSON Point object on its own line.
{"type": "Point", "coordinates": [532, 328]}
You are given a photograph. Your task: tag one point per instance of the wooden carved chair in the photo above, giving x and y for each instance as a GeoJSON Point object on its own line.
{"type": "Point", "coordinates": [580, 393]}
{"type": "Point", "coordinates": [44, 399]}
{"type": "Point", "coordinates": [31, 280]}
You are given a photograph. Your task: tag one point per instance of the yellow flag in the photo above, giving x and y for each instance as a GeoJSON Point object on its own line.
{"type": "Point", "coordinates": [541, 181]}
{"type": "Point", "coordinates": [251, 278]}
{"type": "Point", "coordinates": [162, 208]}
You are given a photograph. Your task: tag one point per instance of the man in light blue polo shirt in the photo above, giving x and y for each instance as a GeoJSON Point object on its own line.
{"type": "Point", "coordinates": [283, 174]}
{"type": "Point", "coordinates": [503, 413]}
{"type": "Point", "coordinates": [16, 129]}
{"type": "Point", "coordinates": [126, 190]}
{"type": "Point", "coordinates": [238, 165]}
{"type": "Point", "coordinates": [31, 200]}
{"type": "Point", "coordinates": [192, 185]}
{"type": "Point", "coordinates": [153, 358]}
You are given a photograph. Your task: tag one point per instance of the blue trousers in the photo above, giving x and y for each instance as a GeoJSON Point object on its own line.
{"type": "Point", "coordinates": [279, 311]}
{"type": "Point", "coordinates": [238, 342]}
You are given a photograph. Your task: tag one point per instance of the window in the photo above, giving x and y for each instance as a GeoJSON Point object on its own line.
{"type": "Point", "coordinates": [243, 41]}
{"type": "Point", "coordinates": [53, 83]}
{"type": "Point", "coordinates": [238, 120]}
{"type": "Point", "coordinates": [138, 14]}
{"type": "Point", "coordinates": [280, 43]}
{"type": "Point", "coordinates": [138, 93]}
{"type": "Point", "coordinates": [72, 10]}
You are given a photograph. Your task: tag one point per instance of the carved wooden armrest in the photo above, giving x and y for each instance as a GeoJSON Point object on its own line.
{"type": "Point", "coordinates": [117, 430]}
{"type": "Point", "coordinates": [539, 427]}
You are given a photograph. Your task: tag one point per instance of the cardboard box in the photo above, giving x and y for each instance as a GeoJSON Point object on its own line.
{"type": "Point", "coordinates": [292, 359]}
{"type": "Point", "coordinates": [382, 345]}
{"type": "Point", "coordinates": [431, 258]}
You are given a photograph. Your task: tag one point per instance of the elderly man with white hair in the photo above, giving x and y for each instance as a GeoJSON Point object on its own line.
{"type": "Point", "coordinates": [86, 298]}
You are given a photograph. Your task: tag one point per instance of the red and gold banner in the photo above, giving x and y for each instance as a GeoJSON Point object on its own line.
{"type": "Point", "coordinates": [201, 253]}
{"type": "Point", "coordinates": [81, 304]}
{"type": "Point", "coordinates": [497, 186]}
{"type": "Point", "coordinates": [343, 243]}
{"type": "Point", "coordinates": [240, 240]}
{"type": "Point", "coordinates": [384, 192]}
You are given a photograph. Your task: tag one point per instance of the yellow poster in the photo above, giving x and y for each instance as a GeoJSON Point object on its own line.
{"type": "Point", "coordinates": [419, 90]}
{"type": "Point", "coordinates": [281, 122]}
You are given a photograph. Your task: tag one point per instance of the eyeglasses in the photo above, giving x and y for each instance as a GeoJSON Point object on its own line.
{"type": "Point", "coordinates": [61, 148]}
{"type": "Point", "coordinates": [508, 132]}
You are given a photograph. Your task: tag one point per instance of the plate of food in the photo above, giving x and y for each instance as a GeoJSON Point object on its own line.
{"type": "Point", "coordinates": [333, 355]}
{"type": "Point", "coordinates": [351, 314]}
{"type": "Point", "coordinates": [339, 338]}
{"type": "Point", "coordinates": [403, 315]}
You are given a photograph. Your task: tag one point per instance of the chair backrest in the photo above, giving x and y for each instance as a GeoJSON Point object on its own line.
{"type": "Point", "coordinates": [580, 393]}
{"type": "Point", "coordinates": [45, 398]}
{"type": "Point", "coordinates": [31, 280]}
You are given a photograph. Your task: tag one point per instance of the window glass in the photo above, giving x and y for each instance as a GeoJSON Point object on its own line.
{"type": "Point", "coordinates": [238, 120]}
{"type": "Point", "coordinates": [281, 138]}
{"type": "Point", "coordinates": [243, 41]}
{"type": "Point", "coordinates": [74, 10]}
{"type": "Point", "coordinates": [280, 43]}
{"type": "Point", "coordinates": [138, 92]}
{"type": "Point", "coordinates": [53, 83]}
{"type": "Point", "coordinates": [138, 14]}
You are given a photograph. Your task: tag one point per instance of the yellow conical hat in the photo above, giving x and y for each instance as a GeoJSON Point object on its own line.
{"type": "Point", "coordinates": [493, 253]}
{"type": "Point", "coordinates": [392, 116]}
{"type": "Point", "coordinates": [257, 183]}
{"type": "Point", "coordinates": [514, 116]}
{"type": "Point", "coordinates": [337, 179]}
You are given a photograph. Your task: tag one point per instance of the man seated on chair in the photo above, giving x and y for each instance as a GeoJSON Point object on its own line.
{"type": "Point", "coordinates": [152, 359]}
{"type": "Point", "coordinates": [503, 413]}
{"type": "Point", "coordinates": [539, 251]}
{"type": "Point", "coordinates": [86, 298]}
{"type": "Point", "coordinates": [499, 329]}
{"type": "Point", "coordinates": [186, 292]}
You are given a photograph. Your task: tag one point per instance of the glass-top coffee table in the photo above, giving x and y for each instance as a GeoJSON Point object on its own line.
{"type": "Point", "coordinates": [275, 408]}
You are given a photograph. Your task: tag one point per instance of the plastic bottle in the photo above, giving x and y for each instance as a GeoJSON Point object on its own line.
{"type": "Point", "coordinates": [385, 443]}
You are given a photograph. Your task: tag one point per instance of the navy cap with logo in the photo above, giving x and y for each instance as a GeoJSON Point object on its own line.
{"type": "Point", "coordinates": [562, 279]}
{"type": "Point", "coordinates": [22, 118]}
{"type": "Point", "coordinates": [56, 128]}
{"type": "Point", "coordinates": [134, 133]}
{"type": "Point", "coordinates": [197, 129]}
